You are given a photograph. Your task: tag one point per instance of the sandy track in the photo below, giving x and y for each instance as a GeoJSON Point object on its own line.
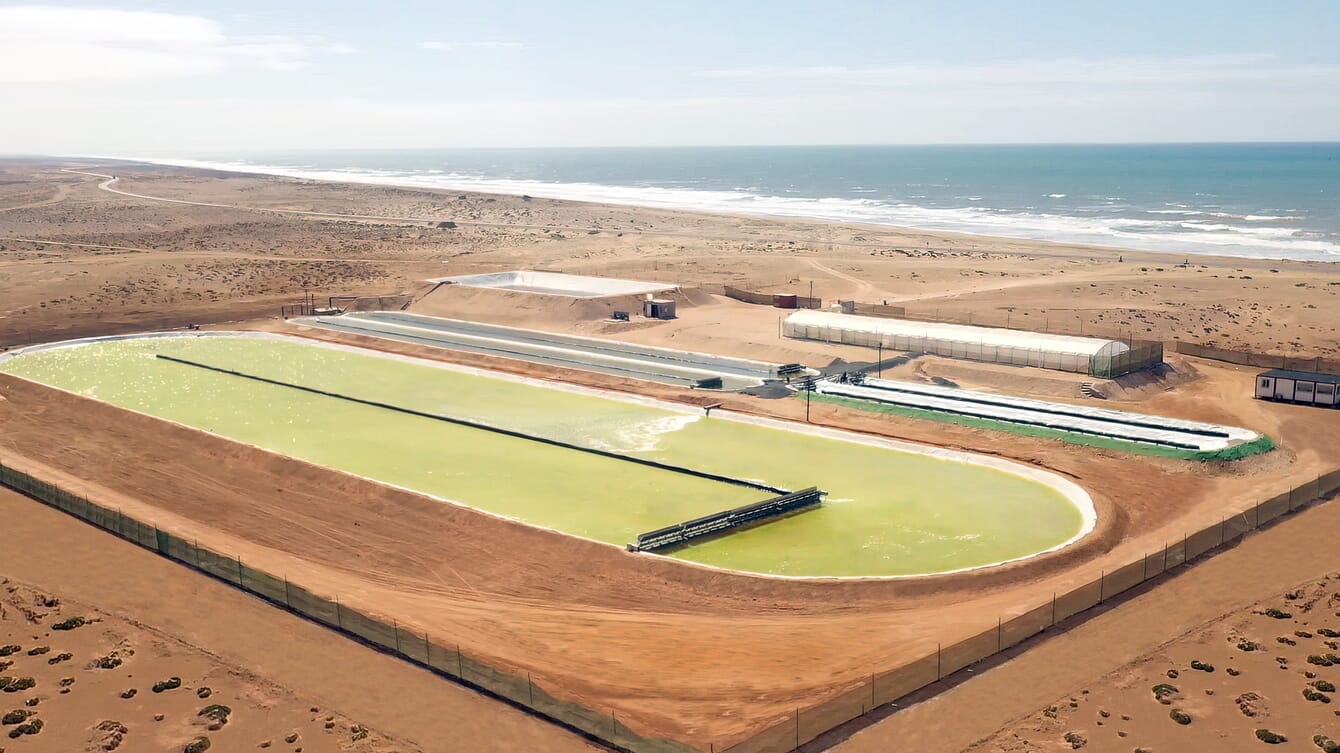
{"type": "Point", "coordinates": [76, 560]}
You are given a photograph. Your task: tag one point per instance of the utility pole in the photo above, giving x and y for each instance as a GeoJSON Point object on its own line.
{"type": "Point", "coordinates": [879, 360]}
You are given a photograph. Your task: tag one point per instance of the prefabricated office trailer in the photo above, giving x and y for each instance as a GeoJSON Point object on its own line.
{"type": "Point", "coordinates": [1299, 387]}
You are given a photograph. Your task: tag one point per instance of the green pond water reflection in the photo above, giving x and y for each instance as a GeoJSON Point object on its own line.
{"type": "Point", "coordinates": [887, 513]}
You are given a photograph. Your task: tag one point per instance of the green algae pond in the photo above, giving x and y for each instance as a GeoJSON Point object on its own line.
{"type": "Point", "coordinates": [891, 510]}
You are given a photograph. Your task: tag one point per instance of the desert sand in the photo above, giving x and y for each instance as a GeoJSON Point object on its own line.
{"type": "Point", "coordinates": [1270, 669]}
{"type": "Point", "coordinates": [104, 683]}
{"type": "Point", "coordinates": [639, 636]}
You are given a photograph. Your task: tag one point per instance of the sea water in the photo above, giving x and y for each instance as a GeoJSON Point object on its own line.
{"type": "Point", "coordinates": [1252, 200]}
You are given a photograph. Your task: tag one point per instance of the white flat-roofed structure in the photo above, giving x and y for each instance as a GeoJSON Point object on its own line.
{"type": "Point", "coordinates": [1085, 355]}
{"type": "Point", "coordinates": [557, 283]}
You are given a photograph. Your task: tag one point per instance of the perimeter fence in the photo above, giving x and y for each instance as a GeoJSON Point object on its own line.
{"type": "Point", "coordinates": [1259, 360]}
{"type": "Point", "coordinates": [447, 658]}
{"type": "Point", "coordinates": [443, 657]}
{"type": "Point", "coordinates": [807, 724]}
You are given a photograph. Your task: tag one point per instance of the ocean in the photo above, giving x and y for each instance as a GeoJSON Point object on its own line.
{"type": "Point", "coordinates": [1250, 200]}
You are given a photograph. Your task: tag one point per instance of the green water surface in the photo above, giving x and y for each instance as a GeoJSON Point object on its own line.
{"type": "Point", "coordinates": [887, 512]}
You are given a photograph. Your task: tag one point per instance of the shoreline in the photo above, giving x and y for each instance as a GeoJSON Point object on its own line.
{"type": "Point", "coordinates": [409, 183]}
{"type": "Point", "coordinates": [1060, 249]}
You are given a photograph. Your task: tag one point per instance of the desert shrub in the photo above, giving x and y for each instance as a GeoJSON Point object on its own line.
{"type": "Point", "coordinates": [5, 665]}
{"type": "Point", "coordinates": [203, 692]}
{"type": "Point", "coordinates": [38, 651]}
{"type": "Point", "coordinates": [70, 624]}
{"type": "Point", "coordinates": [1202, 666]}
{"type": "Point", "coordinates": [1286, 640]}
{"type": "Point", "coordinates": [1163, 690]}
{"type": "Point", "coordinates": [1172, 674]}
{"type": "Point", "coordinates": [1325, 686]}
{"type": "Point", "coordinates": [110, 661]}
{"type": "Point", "coordinates": [290, 739]}
{"type": "Point", "coordinates": [1076, 740]}
{"type": "Point", "coordinates": [27, 728]}
{"type": "Point", "coordinates": [129, 693]}
{"type": "Point", "coordinates": [1179, 716]}
{"type": "Point", "coordinates": [1232, 672]}
{"type": "Point", "coordinates": [10, 649]}
{"type": "Point", "coordinates": [1329, 633]}
{"type": "Point", "coordinates": [1322, 660]}
{"type": "Point", "coordinates": [1313, 695]}
{"type": "Point", "coordinates": [17, 716]}
{"type": "Point", "coordinates": [62, 656]}
{"type": "Point", "coordinates": [172, 683]}
{"type": "Point", "coordinates": [198, 745]}
{"type": "Point", "coordinates": [1245, 645]}
{"type": "Point", "coordinates": [20, 684]}
{"type": "Point", "coordinates": [1326, 744]}
{"type": "Point", "coordinates": [215, 712]}
{"type": "Point", "coordinates": [1302, 634]}
{"type": "Point", "coordinates": [1278, 614]}
{"type": "Point", "coordinates": [1270, 738]}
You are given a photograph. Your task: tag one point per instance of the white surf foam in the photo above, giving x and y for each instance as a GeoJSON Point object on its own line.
{"type": "Point", "coordinates": [1123, 232]}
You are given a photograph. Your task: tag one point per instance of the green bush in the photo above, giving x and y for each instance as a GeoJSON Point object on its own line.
{"type": "Point", "coordinates": [1179, 716]}
{"type": "Point", "coordinates": [38, 651]}
{"type": "Point", "coordinates": [198, 745]}
{"type": "Point", "coordinates": [1313, 695]}
{"type": "Point", "coordinates": [70, 624]}
{"type": "Point", "coordinates": [172, 683]}
{"type": "Point", "coordinates": [1163, 690]}
{"type": "Point", "coordinates": [19, 684]}
{"type": "Point", "coordinates": [17, 716]}
{"type": "Point", "coordinates": [1270, 738]}
{"type": "Point", "coordinates": [28, 728]}
{"type": "Point", "coordinates": [10, 649]}
{"type": "Point", "coordinates": [1325, 686]}
{"type": "Point", "coordinates": [1278, 614]}
{"type": "Point", "coordinates": [1202, 666]}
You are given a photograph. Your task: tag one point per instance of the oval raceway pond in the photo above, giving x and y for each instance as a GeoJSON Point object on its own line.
{"type": "Point", "coordinates": [891, 509]}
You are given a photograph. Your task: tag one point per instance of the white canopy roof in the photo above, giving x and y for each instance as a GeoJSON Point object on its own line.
{"type": "Point", "coordinates": [1005, 338]}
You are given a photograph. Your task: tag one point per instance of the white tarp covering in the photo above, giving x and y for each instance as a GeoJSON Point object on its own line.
{"type": "Point", "coordinates": [556, 283]}
{"type": "Point", "coordinates": [957, 333]}
{"type": "Point", "coordinates": [1133, 427]}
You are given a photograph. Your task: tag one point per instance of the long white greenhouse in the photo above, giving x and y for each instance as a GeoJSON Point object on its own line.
{"type": "Point", "coordinates": [1085, 355]}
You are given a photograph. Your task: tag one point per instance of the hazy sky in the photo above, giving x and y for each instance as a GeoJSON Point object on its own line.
{"type": "Point", "coordinates": [193, 78]}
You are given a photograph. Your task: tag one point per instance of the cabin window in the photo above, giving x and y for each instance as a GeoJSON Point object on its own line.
{"type": "Point", "coordinates": [1304, 386]}
{"type": "Point", "coordinates": [1325, 389]}
{"type": "Point", "coordinates": [1265, 383]}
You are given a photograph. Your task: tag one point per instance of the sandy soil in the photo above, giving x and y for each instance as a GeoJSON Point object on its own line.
{"type": "Point", "coordinates": [638, 635]}
{"type": "Point", "coordinates": [1256, 669]}
{"type": "Point", "coordinates": [94, 689]}
{"type": "Point", "coordinates": [149, 263]}
{"type": "Point", "coordinates": [274, 666]}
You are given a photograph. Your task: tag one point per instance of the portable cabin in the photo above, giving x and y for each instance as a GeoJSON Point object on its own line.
{"type": "Point", "coordinates": [658, 308]}
{"type": "Point", "coordinates": [1306, 387]}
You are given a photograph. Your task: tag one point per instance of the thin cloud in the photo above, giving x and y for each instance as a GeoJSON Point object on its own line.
{"type": "Point", "coordinates": [459, 46]}
{"type": "Point", "coordinates": [54, 44]}
{"type": "Point", "coordinates": [1120, 71]}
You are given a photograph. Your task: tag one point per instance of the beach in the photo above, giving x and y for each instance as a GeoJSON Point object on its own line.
{"type": "Point", "coordinates": [167, 264]}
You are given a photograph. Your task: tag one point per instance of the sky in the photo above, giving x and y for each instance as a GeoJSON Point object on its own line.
{"type": "Point", "coordinates": [197, 78]}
